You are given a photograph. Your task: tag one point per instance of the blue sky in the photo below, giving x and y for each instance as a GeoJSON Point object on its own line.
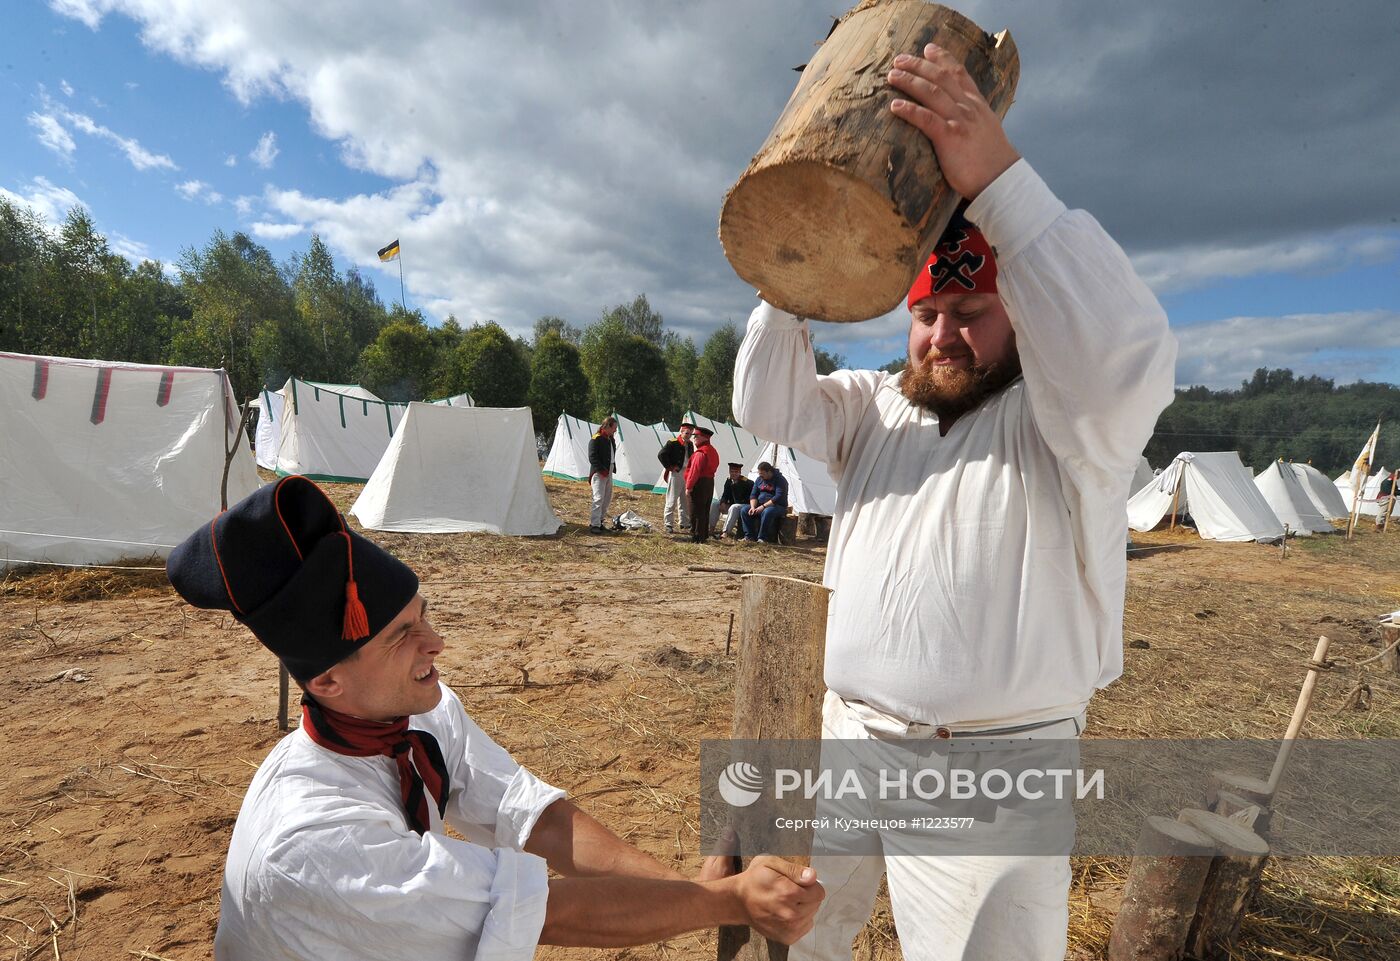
{"type": "Point", "coordinates": [559, 158]}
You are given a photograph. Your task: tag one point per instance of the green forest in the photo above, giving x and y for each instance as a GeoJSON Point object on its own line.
{"type": "Point", "coordinates": [231, 304]}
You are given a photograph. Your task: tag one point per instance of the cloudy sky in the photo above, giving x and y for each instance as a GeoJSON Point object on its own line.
{"type": "Point", "coordinates": [560, 157]}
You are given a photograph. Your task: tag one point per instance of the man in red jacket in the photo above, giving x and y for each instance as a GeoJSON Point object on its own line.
{"type": "Point", "coordinates": [700, 484]}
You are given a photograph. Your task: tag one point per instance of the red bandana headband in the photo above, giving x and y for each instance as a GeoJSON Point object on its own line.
{"type": "Point", "coordinates": [962, 263]}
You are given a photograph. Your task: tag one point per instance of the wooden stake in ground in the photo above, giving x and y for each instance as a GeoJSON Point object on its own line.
{"type": "Point", "coordinates": [1159, 900]}
{"type": "Point", "coordinates": [1252, 789]}
{"type": "Point", "coordinates": [840, 208]}
{"type": "Point", "coordinates": [1226, 889]}
{"type": "Point", "coordinates": [777, 694]}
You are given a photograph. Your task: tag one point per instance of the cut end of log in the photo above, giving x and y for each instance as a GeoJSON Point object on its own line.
{"type": "Point", "coordinates": [818, 242]}
{"type": "Point", "coordinates": [1233, 839]}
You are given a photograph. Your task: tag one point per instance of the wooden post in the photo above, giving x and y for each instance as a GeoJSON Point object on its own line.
{"type": "Point", "coordinates": [1283, 555]}
{"type": "Point", "coordinates": [1159, 900]}
{"type": "Point", "coordinates": [777, 695]}
{"type": "Point", "coordinates": [1300, 713]}
{"type": "Point", "coordinates": [1176, 494]}
{"type": "Point", "coordinates": [1227, 886]}
{"type": "Point", "coordinates": [838, 156]}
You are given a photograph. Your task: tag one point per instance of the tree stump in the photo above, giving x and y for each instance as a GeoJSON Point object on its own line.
{"type": "Point", "coordinates": [1390, 660]}
{"type": "Point", "coordinates": [778, 691]}
{"type": "Point", "coordinates": [842, 205]}
{"type": "Point", "coordinates": [1240, 859]}
{"type": "Point", "coordinates": [1163, 888]}
{"type": "Point", "coordinates": [787, 531]}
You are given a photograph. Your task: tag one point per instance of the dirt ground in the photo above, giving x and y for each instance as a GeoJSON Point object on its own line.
{"type": "Point", "coordinates": [133, 723]}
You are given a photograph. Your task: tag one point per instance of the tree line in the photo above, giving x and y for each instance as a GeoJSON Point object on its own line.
{"type": "Point", "coordinates": [229, 303]}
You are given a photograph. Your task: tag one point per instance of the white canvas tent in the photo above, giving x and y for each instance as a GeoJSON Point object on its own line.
{"type": "Point", "coordinates": [1369, 505]}
{"type": "Point", "coordinates": [103, 461]}
{"type": "Point", "coordinates": [269, 432]}
{"type": "Point", "coordinates": [1289, 500]}
{"type": "Point", "coordinates": [811, 489]}
{"type": "Point", "coordinates": [734, 444]}
{"type": "Point", "coordinates": [453, 469]}
{"type": "Point", "coordinates": [456, 400]}
{"type": "Point", "coordinates": [568, 454]}
{"type": "Point", "coordinates": [333, 435]}
{"type": "Point", "coordinates": [1325, 497]}
{"type": "Point", "coordinates": [637, 447]}
{"type": "Point", "coordinates": [1213, 490]}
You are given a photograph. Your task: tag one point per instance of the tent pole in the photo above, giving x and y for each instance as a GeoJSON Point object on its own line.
{"type": "Point", "coordinates": [1176, 495]}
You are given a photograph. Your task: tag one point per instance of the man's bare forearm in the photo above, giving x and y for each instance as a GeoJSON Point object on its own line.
{"type": "Point", "coordinates": [575, 845]}
{"type": "Point", "coordinates": [620, 912]}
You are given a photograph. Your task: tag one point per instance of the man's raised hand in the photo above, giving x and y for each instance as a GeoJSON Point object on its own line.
{"type": "Point", "coordinates": [947, 107]}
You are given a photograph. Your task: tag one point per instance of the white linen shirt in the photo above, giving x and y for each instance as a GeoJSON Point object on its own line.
{"type": "Point", "coordinates": [323, 864]}
{"type": "Point", "coordinates": [978, 578]}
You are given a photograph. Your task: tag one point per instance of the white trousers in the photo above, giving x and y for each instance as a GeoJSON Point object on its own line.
{"type": "Point", "coordinates": [602, 497]}
{"type": "Point", "coordinates": [946, 908]}
{"type": "Point", "coordinates": [677, 502]}
{"type": "Point", "coordinates": [732, 524]}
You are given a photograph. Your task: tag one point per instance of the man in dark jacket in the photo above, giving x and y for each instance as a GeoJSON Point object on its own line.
{"type": "Point", "coordinates": [674, 457]}
{"type": "Point", "coordinates": [767, 506]}
{"type": "Point", "coordinates": [733, 501]}
{"type": "Point", "coordinates": [602, 449]}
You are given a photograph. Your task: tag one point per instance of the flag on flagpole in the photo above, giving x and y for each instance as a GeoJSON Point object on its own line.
{"type": "Point", "coordinates": [389, 251]}
{"type": "Point", "coordinates": [1361, 470]}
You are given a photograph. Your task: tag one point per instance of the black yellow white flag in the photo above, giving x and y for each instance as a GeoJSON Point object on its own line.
{"type": "Point", "coordinates": [389, 251]}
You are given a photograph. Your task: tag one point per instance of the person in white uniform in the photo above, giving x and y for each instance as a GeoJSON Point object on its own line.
{"type": "Point", "coordinates": [976, 553]}
{"type": "Point", "coordinates": [341, 848]}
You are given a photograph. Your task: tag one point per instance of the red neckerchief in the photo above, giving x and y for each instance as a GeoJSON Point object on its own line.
{"type": "Point", "coordinates": [355, 737]}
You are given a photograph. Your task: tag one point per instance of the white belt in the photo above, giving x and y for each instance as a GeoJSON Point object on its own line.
{"type": "Point", "coordinates": [880, 723]}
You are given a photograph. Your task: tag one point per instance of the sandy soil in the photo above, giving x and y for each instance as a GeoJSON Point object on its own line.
{"type": "Point", "coordinates": [133, 722]}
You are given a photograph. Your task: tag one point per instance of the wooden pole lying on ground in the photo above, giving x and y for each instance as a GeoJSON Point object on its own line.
{"type": "Point", "coordinates": [838, 155]}
{"type": "Point", "coordinates": [1227, 886]}
{"type": "Point", "coordinates": [1159, 900]}
{"type": "Point", "coordinates": [777, 694]}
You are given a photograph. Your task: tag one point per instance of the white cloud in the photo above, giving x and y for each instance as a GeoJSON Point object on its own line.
{"type": "Point", "coordinates": [199, 190]}
{"type": "Point", "coordinates": [266, 151]}
{"type": "Point", "coordinates": [47, 199]}
{"type": "Point", "coordinates": [137, 155]}
{"type": "Point", "coordinates": [132, 250]}
{"type": "Point", "coordinates": [52, 134]}
{"type": "Point", "coordinates": [243, 205]}
{"type": "Point", "coordinates": [1345, 346]}
{"type": "Point", "coordinates": [1193, 266]}
{"type": "Point", "coordinates": [269, 231]}
{"type": "Point", "coordinates": [231, 160]}
{"type": "Point", "coordinates": [66, 87]}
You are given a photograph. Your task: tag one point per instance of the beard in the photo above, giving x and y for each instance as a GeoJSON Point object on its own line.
{"type": "Point", "coordinates": [951, 392]}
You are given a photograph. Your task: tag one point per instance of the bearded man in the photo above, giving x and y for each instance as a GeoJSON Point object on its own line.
{"type": "Point", "coordinates": [976, 553]}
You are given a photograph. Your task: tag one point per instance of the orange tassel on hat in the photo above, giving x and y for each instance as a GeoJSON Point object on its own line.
{"type": "Point", "coordinates": [356, 624]}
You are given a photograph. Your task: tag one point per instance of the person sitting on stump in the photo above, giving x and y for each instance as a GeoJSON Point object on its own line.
{"type": "Point", "coordinates": [767, 506]}
{"type": "Point", "coordinates": [341, 848]}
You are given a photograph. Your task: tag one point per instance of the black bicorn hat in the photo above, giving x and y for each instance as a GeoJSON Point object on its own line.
{"type": "Point", "coordinates": [284, 562]}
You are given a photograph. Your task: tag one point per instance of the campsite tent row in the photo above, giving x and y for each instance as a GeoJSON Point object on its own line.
{"type": "Point", "coordinates": [101, 461]}
{"type": "Point", "coordinates": [813, 490]}
{"type": "Point", "coordinates": [1228, 503]}
{"type": "Point", "coordinates": [334, 432]}
{"type": "Point", "coordinates": [1370, 501]}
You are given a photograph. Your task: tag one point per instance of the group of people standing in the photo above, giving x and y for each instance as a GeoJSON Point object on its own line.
{"type": "Point", "coordinates": [753, 510]}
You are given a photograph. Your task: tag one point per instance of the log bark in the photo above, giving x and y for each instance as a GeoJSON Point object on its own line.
{"type": "Point", "coordinates": [777, 695]}
{"type": "Point", "coordinates": [1159, 900]}
{"type": "Point", "coordinates": [842, 205]}
{"type": "Point", "coordinates": [1390, 660]}
{"type": "Point", "coordinates": [1225, 893]}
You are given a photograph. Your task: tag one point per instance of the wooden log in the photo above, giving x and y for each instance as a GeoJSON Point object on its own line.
{"type": "Point", "coordinates": [842, 205]}
{"type": "Point", "coordinates": [778, 691]}
{"type": "Point", "coordinates": [787, 531]}
{"type": "Point", "coordinates": [1243, 811]}
{"type": "Point", "coordinates": [1390, 654]}
{"type": "Point", "coordinates": [1164, 885]}
{"type": "Point", "coordinates": [1228, 884]}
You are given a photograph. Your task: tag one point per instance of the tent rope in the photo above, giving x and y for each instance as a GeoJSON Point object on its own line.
{"type": "Point", "coordinates": [99, 540]}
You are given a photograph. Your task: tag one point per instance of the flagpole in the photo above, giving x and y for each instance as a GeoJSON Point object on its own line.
{"type": "Point", "coordinates": [401, 297]}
